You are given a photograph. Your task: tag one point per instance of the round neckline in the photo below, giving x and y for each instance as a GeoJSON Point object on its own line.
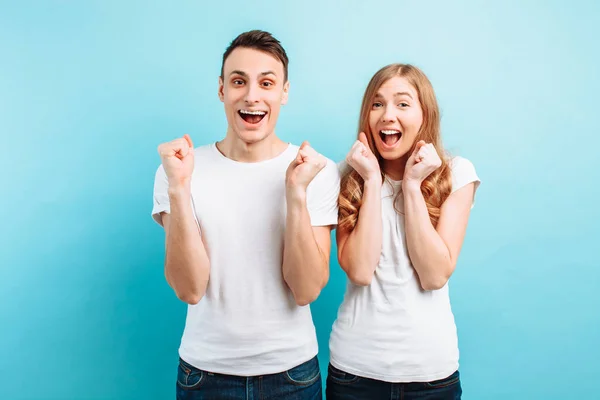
{"type": "Point", "coordinates": [393, 182]}
{"type": "Point", "coordinates": [223, 157]}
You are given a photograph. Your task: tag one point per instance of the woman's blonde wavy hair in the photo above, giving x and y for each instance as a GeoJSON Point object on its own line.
{"type": "Point", "coordinates": [437, 186]}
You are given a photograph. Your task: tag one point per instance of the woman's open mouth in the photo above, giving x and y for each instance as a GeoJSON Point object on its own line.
{"type": "Point", "coordinates": [390, 136]}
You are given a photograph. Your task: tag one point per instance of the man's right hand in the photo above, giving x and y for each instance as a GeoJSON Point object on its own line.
{"type": "Point", "coordinates": [177, 159]}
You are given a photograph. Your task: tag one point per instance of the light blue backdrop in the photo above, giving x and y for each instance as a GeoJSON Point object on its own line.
{"type": "Point", "coordinates": [88, 90]}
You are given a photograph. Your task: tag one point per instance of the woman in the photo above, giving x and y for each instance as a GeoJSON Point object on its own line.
{"type": "Point", "coordinates": [404, 208]}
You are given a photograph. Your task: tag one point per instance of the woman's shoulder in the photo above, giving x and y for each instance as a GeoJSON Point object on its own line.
{"type": "Point", "coordinates": [463, 172]}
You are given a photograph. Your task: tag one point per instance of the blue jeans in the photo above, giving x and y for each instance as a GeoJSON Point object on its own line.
{"type": "Point", "coordinates": [344, 386]}
{"type": "Point", "coordinates": [299, 383]}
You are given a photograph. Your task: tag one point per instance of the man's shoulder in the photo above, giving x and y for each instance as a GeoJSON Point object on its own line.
{"type": "Point", "coordinates": [205, 156]}
{"type": "Point", "coordinates": [204, 149]}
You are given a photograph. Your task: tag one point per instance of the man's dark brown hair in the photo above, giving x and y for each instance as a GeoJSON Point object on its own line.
{"type": "Point", "coordinates": [262, 41]}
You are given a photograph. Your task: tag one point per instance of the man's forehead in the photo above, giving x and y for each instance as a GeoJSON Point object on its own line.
{"type": "Point", "coordinates": [252, 62]}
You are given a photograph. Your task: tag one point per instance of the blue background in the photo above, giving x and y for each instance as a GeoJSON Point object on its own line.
{"type": "Point", "coordinates": [89, 89]}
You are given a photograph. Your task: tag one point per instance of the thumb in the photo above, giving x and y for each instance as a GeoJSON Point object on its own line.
{"type": "Point", "coordinates": [363, 139]}
{"type": "Point", "coordinates": [189, 140]}
{"type": "Point", "coordinates": [418, 146]}
{"type": "Point", "coordinates": [297, 160]}
{"type": "Point", "coordinates": [304, 144]}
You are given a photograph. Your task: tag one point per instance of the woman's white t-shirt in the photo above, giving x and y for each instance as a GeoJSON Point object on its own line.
{"type": "Point", "coordinates": [392, 330]}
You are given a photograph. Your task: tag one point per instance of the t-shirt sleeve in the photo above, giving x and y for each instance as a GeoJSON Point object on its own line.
{"type": "Point", "coordinates": [322, 196]}
{"type": "Point", "coordinates": [161, 195]}
{"type": "Point", "coordinates": [463, 173]}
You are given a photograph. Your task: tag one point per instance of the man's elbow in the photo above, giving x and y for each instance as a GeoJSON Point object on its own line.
{"type": "Point", "coordinates": [310, 291]}
{"type": "Point", "coordinates": [308, 296]}
{"type": "Point", "coordinates": [304, 300]}
{"type": "Point", "coordinates": [190, 297]}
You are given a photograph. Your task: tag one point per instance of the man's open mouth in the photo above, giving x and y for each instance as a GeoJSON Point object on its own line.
{"type": "Point", "coordinates": [390, 136]}
{"type": "Point", "coordinates": [252, 117]}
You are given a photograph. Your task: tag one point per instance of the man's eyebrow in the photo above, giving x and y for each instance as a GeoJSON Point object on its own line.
{"type": "Point", "coordinates": [245, 75]}
{"type": "Point", "coordinates": [238, 72]}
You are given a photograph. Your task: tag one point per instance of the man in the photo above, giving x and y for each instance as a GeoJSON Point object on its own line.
{"type": "Point", "coordinates": [247, 223]}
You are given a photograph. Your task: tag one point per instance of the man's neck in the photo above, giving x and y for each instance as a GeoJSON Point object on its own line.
{"type": "Point", "coordinates": [236, 149]}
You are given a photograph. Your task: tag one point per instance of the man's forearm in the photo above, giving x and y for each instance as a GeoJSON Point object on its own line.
{"type": "Point", "coordinates": [186, 264]}
{"type": "Point", "coordinates": [305, 267]}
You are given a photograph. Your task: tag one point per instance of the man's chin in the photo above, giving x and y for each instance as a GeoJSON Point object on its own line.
{"type": "Point", "coordinates": [251, 137]}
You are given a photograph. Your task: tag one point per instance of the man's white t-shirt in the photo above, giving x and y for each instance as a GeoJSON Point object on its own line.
{"type": "Point", "coordinates": [393, 330]}
{"type": "Point", "coordinates": [247, 323]}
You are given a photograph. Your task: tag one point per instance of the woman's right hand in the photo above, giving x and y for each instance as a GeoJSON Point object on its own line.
{"type": "Point", "coordinates": [361, 158]}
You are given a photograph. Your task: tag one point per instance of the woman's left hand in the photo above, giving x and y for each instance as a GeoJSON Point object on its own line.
{"type": "Point", "coordinates": [421, 163]}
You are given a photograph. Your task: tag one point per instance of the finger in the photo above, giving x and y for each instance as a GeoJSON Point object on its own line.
{"type": "Point", "coordinates": [309, 151]}
{"type": "Point", "coordinates": [189, 140]}
{"type": "Point", "coordinates": [354, 148]}
{"type": "Point", "coordinates": [361, 149]}
{"type": "Point", "coordinates": [304, 144]}
{"type": "Point", "coordinates": [299, 157]}
{"type": "Point", "coordinates": [170, 149]}
{"type": "Point", "coordinates": [295, 162]}
{"type": "Point", "coordinates": [365, 151]}
{"type": "Point", "coordinates": [418, 146]}
{"type": "Point", "coordinates": [303, 154]}
{"type": "Point", "coordinates": [183, 148]}
{"type": "Point", "coordinates": [431, 148]}
{"type": "Point", "coordinates": [363, 139]}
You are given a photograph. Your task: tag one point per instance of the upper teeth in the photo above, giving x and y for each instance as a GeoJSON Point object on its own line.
{"type": "Point", "coordinates": [390, 132]}
{"type": "Point", "coordinates": [253, 112]}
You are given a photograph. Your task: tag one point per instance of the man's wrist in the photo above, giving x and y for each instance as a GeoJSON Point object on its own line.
{"type": "Point", "coordinates": [180, 189]}
{"type": "Point", "coordinates": [295, 195]}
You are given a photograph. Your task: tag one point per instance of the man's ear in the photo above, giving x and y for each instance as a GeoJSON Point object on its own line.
{"type": "Point", "coordinates": [286, 89]}
{"type": "Point", "coordinates": [221, 94]}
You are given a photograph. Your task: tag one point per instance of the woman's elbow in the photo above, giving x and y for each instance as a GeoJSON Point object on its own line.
{"type": "Point", "coordinates": [437, 281]}
{"type": "Point", "coordinates": [433, 283]}
{"type": "Point", "coordinates": [359, 276]}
